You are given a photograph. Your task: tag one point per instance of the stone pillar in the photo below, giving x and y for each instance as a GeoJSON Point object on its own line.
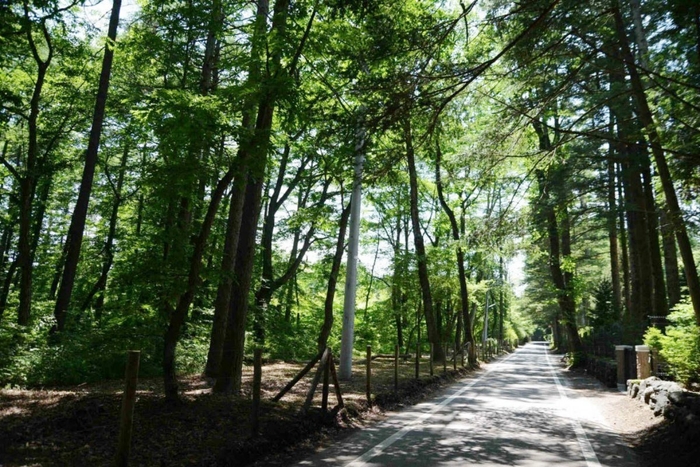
{"type": "Point", "coordinates": [622, 354]}
{"type": "Point", "coordinates": [643, 361]}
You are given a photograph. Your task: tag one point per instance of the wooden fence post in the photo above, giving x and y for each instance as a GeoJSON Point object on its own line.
{"type": "Point", "coordinates": [431, 359]}
{"type": "Point", "coordinates": [417, 359]}
{"type": "Point", "coordinates": [396, 368]}
{"type": "Point", "coordinates": [257, 378]}
{"type": "Point", "coordinates": [127, 414]}
{"type": "Point", "coordinates": [454, 357]}
{"type": "Point", "coordinates": [369, 375]}
{"type": "Point", "coordinates": [326, 373]}
{"type": "Point", "coordinates": [444, 362]}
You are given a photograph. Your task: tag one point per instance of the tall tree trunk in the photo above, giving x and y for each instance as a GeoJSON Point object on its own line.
{"type": "Point", "coordinates": [559, 237]}
{"type": "Point", "coordinates": [423, 278]}
{"type": "Point", "coordinates": [178, 317]}
{"type": "Point", "coordinates": [223, 295]}
{"type": "Point", "coordinates": [333, 279]}
{"type": "Point", "coordinates": [230, 371]}
{"type": "Point", "coordinates": [660, 301]}
{"type": "Point", "coordinates": [673, 282]}
{"type": "Point", "coordinates": [632, 161]}
{"type": "Point", "coordinates": [642, 285]}
{"type": "Point", "coordinates": [612, 233]}
{"type": "Point", "coordinates": [77, 225]}
{"type": "Point", "coordinates": [268, 283]}
{"type": "Point", "coordinates": [108, 254]}
{"type": "Point", "coordinates": [567, 300]}
{"type": "Point", "coordinates": [6, 283]}
{"type": "Point", "coordinates": [289, 293]}
{"type": "Point", "coordinates": [28, 179]}
{"type": "Point", "coordinates": [461, 271]}
{"type": "Point", "coordinates": [227, 287]}
{"type": "Point", "coordinates": [624, 251]}
{"type": "Point", "coordinates": [647, 120]}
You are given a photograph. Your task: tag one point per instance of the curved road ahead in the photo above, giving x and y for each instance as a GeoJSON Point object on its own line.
{"type": "Point", "coordinates": [519, 411]}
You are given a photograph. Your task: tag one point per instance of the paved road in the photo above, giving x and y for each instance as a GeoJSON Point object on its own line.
{"type": "Point", "coordinates": [519, 411]}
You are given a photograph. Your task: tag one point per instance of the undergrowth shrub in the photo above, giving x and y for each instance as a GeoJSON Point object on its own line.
{"type": "Point", "coordinates": [680, 345]}
{"type": "Point", "coordinates": [88, 351]}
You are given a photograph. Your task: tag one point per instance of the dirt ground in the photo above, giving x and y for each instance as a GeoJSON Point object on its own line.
{"type": "Point", "coordinates": [78, 426]}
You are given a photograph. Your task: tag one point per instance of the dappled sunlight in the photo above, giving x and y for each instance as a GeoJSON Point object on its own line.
{"type": "Point", "coordinates": [512, 414]}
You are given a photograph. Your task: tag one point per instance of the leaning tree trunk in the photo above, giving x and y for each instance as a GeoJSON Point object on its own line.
{"type": "Point", "coordinates": [77, 225]}
{"type": "Point", "coordinates": [333, 279]}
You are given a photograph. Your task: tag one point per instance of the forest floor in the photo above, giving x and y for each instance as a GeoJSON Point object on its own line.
{"type": "Point", "coordinates": [78, 426]}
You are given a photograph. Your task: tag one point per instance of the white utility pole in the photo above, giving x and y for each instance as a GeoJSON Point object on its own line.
{"type": "Point", "coordinates": [348, 335]}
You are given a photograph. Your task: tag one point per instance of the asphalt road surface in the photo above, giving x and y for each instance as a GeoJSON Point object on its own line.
{"type": "Point", "coordinates": [519, 411]}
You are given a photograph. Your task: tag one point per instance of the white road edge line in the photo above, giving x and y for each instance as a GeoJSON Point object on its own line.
{"type": "Point", "coordinates": [380, 447]}
{"type": "Point", "coordinates": [586, 448]}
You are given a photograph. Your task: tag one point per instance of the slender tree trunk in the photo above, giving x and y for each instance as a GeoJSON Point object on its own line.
{"type": "Point", "coordinates": [77, 226]}
{"type": "Point", "coordinates": [461, 271]}
{"type": "Point", "coordinates": [177, 319]}
{"type": "Point", "coordinates": [28, 180]}
{"type": "Point", "coordinates": [567, 300]}
{"type": "Point", "coordinates": [660, 301]}
{"type": "Point", "coordinates": [625, 262]}
{"type": "Point", "coordinates": [612, 233]}
{"type": "Point", "coordinates": [6, 283]}
{"type": "Point", "coordinates": [100, 286]}
{"type": "Point", "coordinates": [430, 321]}
{"type": "Point", "coordinates": [559, 237]}
{"type": "Point", "coordinates": [333, 279]}
{"type": "Point", "coordinates": [230, 370]}
{"type": "Point", "coordinates": [673, 282]}
{"type": "Point", "coordinates": [289, 295]}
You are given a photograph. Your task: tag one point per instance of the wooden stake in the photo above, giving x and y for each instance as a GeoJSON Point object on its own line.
{"type": "Point", "coordinates": [431, 359]}
{"type": "Point", "coordinates": [127, 413]}
{"type": "Point", "coordinates": [444, 362]}
{"type": "Point", "coordinates": [417, 360]}
{"type": "Point", "coordinates": [369, 376]}
{"type": "Point", "coordinates": [324, 398]}
{"type": "Point", "coordinates": [296, 379]}
{"type": "Point", "coordinates": [334, 376]}
{"type": "Point", "coordinates": [317, 378]}
{"type": "Point", "coordinates": [257, 378]}
{"type": "Point", "coordinates": [454, 357]}
{"type": "Point", "coordinates": [396, 368]}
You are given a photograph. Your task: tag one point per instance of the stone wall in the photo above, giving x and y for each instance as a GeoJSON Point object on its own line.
{"type": "Point", "coordinates": [666, 398]}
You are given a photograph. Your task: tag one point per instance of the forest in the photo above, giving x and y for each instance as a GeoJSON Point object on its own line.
{"type": "Point", "coordinates": [187, 177]}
